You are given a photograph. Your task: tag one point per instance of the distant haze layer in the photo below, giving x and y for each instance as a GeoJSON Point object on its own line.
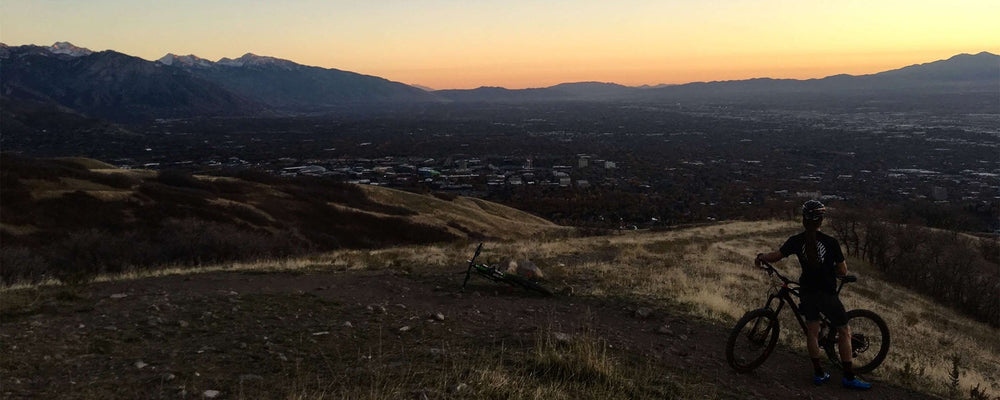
{"type": "Point", "coordinates": [525, 43]}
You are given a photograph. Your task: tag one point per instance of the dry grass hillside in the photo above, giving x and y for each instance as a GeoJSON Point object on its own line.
{"type": "Point", "coordinates": [76, 216]}
{"type": "Point", "coordinates": [695, 274]}
{"type": "Point", "coordinates": [707, 271]}
{"type": "Point", "coordinates": [205, 259]}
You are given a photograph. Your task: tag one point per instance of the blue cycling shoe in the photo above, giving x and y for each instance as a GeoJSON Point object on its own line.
{"type": "Point", "coordinates": [819, 380]}
{"type": "Point", "coordinates": [855, 384]}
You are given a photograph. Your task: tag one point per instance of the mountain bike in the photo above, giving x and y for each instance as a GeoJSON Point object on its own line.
{"type": "Point", "coordinates": [756, 333]}
{"type": "Point", "coordinates": [495, 274]}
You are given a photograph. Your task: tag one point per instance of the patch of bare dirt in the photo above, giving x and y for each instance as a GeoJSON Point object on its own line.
{"type": "Point", "coordinates": [243, 335]}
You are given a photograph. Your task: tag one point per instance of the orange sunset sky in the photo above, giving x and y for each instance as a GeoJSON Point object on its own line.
{"type": "Point", "coordinates": [446, 44]}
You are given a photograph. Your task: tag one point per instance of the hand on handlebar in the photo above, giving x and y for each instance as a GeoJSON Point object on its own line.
{"type": "Point", "coordinates": [757, 261]}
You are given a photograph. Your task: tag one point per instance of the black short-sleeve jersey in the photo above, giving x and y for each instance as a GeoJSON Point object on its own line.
{"type": "Point", "coordinates": [823, 275]}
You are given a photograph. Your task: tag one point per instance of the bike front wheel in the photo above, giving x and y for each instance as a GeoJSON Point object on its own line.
{"type": "Point", "coordinates": [752, 339]}
{"type": "Point", "coordinates": [869, 341]}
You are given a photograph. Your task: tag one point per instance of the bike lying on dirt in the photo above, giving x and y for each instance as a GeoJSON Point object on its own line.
{"type": "Point", "coordinates": [495, 274]}
{"type": "Point", "coordinates": [756, 333]}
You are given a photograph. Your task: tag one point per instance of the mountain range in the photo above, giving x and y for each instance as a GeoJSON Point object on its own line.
{"type": "Point", "coordinates": [119, 87]}
{"type": "Point", "coordinates": [285, 85]}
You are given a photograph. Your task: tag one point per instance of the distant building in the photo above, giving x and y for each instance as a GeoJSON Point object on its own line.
{"type": "Point", "coordinates": [584, 162]}
{"type": "Point", "coordinates": [610, 165]}
{"type": "Point", "coordinates": [564, 180]}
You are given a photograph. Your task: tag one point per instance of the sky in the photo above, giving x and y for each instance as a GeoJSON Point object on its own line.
{"type": "Point", "coordinates": [459, 44]}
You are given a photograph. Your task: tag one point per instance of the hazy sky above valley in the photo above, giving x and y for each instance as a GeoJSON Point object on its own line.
{"type": "Point", "coordinates": [527, 43]}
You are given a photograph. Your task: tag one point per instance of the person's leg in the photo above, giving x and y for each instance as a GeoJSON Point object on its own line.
{"type": "Point", "coordinates": [810, 310]}
{"type": "Point", "coordinates": [812, 342]}
{"type": "Point", "coordinates": [812, 339]}
{"type": "Point", "coordinates": [834, 310]}
{"type": "Point", "coordinates": [846, 356]}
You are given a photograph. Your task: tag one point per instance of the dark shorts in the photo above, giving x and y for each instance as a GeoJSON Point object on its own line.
{"type": "Point", "coordinates": [814, 303]}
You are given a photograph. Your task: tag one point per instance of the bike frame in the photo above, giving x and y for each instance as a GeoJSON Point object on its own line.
{"type": "Point", "coordinates": [486, 271]}
{"type": "Point", "coordinates": [468, 272]}
{"type": "Point", "coordinates": [784, 296]}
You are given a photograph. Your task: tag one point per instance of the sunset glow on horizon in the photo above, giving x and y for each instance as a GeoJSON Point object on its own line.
{"type": "Point", "coordinates": [526, 43]}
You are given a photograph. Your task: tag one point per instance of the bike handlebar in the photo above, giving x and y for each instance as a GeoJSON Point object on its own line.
{"type": "Point", "coordinates": [844, 279]}
{"type": "Point", "coordinates": [468, 271]}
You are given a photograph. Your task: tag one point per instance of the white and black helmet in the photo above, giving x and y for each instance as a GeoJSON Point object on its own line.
{"type": "Point", "coordinates": [813, 210]}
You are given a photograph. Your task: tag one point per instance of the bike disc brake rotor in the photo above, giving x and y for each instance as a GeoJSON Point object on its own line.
{"type": "Point", "coordinates": [859, 343]}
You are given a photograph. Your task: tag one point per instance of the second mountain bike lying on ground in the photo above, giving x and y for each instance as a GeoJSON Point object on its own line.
{"type": "Point", "coordinates": [495, 274]}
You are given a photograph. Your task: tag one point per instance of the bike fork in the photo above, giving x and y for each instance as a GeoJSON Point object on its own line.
{"type": "Point", "coordinates": [770, 300]}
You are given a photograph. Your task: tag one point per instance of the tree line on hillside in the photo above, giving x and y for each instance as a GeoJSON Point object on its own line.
{"type": "Point", "coordinates": [956, 269]}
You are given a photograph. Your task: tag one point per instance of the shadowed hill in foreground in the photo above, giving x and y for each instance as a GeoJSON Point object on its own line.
{"type": "Point", "coordinates": [78, 214]}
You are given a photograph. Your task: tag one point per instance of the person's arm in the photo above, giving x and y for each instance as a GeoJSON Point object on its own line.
{"type": "Point", "coordinates": [771, 257]}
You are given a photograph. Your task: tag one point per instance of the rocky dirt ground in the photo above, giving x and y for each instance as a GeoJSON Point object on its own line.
{"type": "Point", "coordinates": [379, 334]}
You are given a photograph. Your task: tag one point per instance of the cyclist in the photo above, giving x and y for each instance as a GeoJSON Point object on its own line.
{"type": "Point", "coordinates": [821, 260]}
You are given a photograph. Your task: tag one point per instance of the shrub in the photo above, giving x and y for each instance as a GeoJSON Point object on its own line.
{"type": "Point", "coordinates": [18, 264]}
{"type": "Point", "coordinates": [445, 196]}
{"type": "Point", "coordinates": [195, 242]}
{"type": "Point", "coordinates": [79, 258]}
{"type": "Point", "coordinates": [183, 179]}
{"type": "Point", "coordinates": [116, 180]}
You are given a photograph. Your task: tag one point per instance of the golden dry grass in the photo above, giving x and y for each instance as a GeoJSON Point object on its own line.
{"type": "Point", "coordinates": [44, 189]}
{"type": "Point", "coordinates": [462, 217]}
{"type": "Point", "coordinates": [88, 163]}
{"type": "Point", "coordinates": [489, 219]}
{"type": "Point", "coordinates": [18, 229]}
{"type": "Point", "coordinates": [708, 270]}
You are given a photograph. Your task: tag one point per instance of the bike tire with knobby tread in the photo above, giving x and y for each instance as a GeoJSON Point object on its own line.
{"type": "Point", "coordinates": [773, 330]}
{"type": "Point", "coordinates": [883, 340]}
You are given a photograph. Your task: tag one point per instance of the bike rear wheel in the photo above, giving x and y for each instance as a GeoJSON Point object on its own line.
{"type": "Point", "coordinates": [527, 284]}
{"type": "Point", "coordinates": [752, 339]}
{"type": "Point", "coordinates": [869, 341]}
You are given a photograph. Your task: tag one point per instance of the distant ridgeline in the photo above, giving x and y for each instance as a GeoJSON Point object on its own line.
{"type": "Point", "coordinates": [124, 88]}
{"type": "Point", "coordinates": [75, 218]}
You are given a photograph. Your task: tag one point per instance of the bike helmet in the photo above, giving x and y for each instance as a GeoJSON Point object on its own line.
{"type": "Point", "coordinates": [813, 210]}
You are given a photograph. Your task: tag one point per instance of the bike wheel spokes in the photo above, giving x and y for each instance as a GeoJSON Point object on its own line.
{"type": "Point", "coordinates": [752, 340]}
{"type": "Point", "coordinates": [869, 339]}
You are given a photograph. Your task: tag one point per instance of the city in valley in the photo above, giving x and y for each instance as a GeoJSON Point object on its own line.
{"type": "Point", "coordinates": [615, 164]}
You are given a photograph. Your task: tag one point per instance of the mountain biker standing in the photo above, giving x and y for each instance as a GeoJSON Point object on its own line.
{"type": "Point", "coordinates": [821, 260]}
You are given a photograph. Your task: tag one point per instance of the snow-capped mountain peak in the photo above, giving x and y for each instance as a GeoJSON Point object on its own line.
{"type": "Point", "coordinates": [253, 60]}
{"type": "Point", "coordinates": [69, 49]}
{"type": "Point", "coordinates": [189, 60]}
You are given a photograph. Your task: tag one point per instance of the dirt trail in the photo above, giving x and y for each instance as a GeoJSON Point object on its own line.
{"type": "Point", "coordinates": [198, 330]}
